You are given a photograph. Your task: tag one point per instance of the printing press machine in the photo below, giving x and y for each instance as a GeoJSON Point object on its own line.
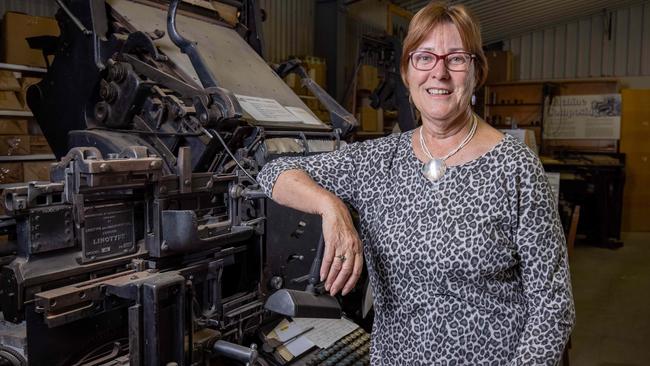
{"type": "Point", "coordinates": [152, 244]}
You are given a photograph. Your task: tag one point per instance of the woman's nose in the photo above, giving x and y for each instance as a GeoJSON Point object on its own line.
{"type": "Point", "coordinates": [439, 71]}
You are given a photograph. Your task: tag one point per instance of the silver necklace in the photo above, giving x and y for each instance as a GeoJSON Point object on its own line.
{"type": "Point", "coordinates": [435, 168]}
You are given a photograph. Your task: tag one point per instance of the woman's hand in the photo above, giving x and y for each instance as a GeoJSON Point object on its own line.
{"type": "Point", "coordinates": [343, 256]}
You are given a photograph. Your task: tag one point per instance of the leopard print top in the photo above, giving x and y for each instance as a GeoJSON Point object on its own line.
{"type": "Point", "coordinates": [469, 270]}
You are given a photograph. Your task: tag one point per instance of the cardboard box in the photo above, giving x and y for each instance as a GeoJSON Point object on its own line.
{"type": "Point", "coordinates": [14, 145]}
{"type": "Point", "coordinates": [11, 173]}
{"type": "Point", "coordinates": [323, 115]}
{"type": "Point", "coordinates": [11, 126]}
{"type": "Point", "coordinates": [293, 81]}
{"type": "Point", "coordinates": [25, 83]}
{"type": "Point", "coordinates": [16, 27]}
{"type": "Point", "coordinates": [8, 81]}
{"type": "Point", "coordinates": [33, 129]}
{"type": "Point", "coordinates": [317, 71]}
{"type": "Point", "coordinates": [368, 78]}
{"type": "Point", "coordinates": [37, 170]}
{"type": "Point", "coordinates": [311, 102]}
{"type": "Point", "coordinates": [39, 145]}
{"type": "Point", "coordinates": [9, 101]}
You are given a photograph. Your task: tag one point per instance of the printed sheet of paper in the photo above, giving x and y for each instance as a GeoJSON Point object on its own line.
{"type": "Point", "coordinates": [299, 346]}
{"type": "Point", "coordinates": [286, 330]}
{"type": "Point", "coordinates": [265, 109]}
{"type": "Point", "coordinates": [326, 331]}
{"type": "Point", "coordinates": [304, 116]}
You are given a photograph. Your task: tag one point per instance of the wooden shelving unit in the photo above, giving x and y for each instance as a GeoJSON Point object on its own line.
{"type": "Point", "coordinates": [24, 152]}
{"type": "Point", "coordinates": [521, 105]}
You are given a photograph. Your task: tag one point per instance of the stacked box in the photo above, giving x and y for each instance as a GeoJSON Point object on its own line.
{"type": "Point", "coordinates": [16, 28]}
{"type": "Point", "coordinates": [9, 90]}
{"type": "Point", "coordinates": [39, 145]}
{"type": "Point", "coordinates": [37, 170]}
{"type": "Point", "coordinates": [316, 68]}
{"type": "Point", "coordinates": [368, 78]}
{"type": "Point", "coordinates": [11, 172]}
{"type": "Point", "coordinates": [11, 145]}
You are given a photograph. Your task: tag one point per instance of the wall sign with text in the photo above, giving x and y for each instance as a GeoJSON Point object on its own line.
{"type": "Point", "coordinates": [583, 117]}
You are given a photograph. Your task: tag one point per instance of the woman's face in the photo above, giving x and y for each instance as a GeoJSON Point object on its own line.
{"type": "Point", "coordinates": [439, 94]}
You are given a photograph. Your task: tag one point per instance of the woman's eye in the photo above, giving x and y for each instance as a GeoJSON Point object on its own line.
{"type": "Point", "coordinates": [424, 58]}
{"type": "Point", "coordinates": [456, 60]}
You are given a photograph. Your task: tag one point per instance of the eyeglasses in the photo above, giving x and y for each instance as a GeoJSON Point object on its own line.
{"type": "Point", "coordinates": [455, 61]}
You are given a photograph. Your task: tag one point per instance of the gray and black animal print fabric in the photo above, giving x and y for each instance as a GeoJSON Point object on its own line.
{"type": "Point", "coordinates": [469, 270]}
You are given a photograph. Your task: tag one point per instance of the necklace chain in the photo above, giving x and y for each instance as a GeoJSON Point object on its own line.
{"type": "Point", "coordinates": [469, 136]}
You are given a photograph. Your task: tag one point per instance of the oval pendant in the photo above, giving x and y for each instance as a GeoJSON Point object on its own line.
{"type": "Point", "coordinates": [434, 169]}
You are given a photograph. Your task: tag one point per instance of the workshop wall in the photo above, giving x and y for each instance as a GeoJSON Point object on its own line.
{"type": "Point", "coordinates": [288, 29]}
{"type": "Point", "coordinates": [45, 8]}
{"type": "Point", "coordinates": [615, 43]}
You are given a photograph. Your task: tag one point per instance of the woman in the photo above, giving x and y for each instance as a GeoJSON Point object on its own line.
{"type": "Point", "coordinates": [464, 247]}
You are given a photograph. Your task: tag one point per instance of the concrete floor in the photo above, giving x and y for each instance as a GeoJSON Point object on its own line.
{"type": "Point", "coordinates": [611, 289]}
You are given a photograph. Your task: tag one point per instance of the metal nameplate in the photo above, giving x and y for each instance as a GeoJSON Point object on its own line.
{"type": "Point", "coordinates": [108, 231]}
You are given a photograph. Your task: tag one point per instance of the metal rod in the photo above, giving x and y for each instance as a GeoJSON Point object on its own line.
{"type": "Point", "coordinates": [74, 19]}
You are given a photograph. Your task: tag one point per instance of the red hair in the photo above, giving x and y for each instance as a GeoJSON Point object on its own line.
{"type": "Point", "coordinates": [435, 14]}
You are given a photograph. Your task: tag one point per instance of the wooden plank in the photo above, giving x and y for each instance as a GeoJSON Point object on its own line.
{"type": "Point", "coordinates": [596, 46]}
{"type": "Point", "coordinates": [548, 53]}
{"type": "Point", "coordinates": [620, 42]}
{"type": "Point", "coordinates": [588, 87]}
{"type": "Point", "coordinates": [571, 51]}
{"type": "Point", "coordinates": [584, 49]}
{"type": "Point", "coordinates": [559, 55]}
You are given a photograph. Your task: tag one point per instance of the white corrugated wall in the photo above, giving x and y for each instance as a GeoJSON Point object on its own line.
{"type": "Point", "coordinates": [32, 7]}
{"type": "Point", "coordinates": [615, 43]}
{"type": "Point", "coordinates": [288, 29]}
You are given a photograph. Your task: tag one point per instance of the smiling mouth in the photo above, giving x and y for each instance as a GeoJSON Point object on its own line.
{"type": "Point", "coordinates": [436, 91]}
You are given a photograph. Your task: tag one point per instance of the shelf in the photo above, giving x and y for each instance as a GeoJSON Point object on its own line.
{"type": "Point", "coordinates": [22, 68]}
{"type": "Point", "coordinates": [33, 157]}
{"type": "Point", "coordinates": [512, 104]}
{"type": "Point", "coordinates": [370, 133]}
{"type": "Point", "coordinates": [5, 113]}
{"type": "Point", "coordinates": [518, 126]}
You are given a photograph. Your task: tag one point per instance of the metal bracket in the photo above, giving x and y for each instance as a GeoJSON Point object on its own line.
{"type": "Point", "coordinates": [140, 41]}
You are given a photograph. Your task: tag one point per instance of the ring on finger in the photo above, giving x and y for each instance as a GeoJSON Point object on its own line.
{"type": "Point", "coordinates": [341, 257]}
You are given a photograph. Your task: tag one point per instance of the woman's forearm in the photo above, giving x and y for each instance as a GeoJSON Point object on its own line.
{"type": "Point", "coordinates": [343, 258]}
{"type": "Point", "coordinates": [295, 189]}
